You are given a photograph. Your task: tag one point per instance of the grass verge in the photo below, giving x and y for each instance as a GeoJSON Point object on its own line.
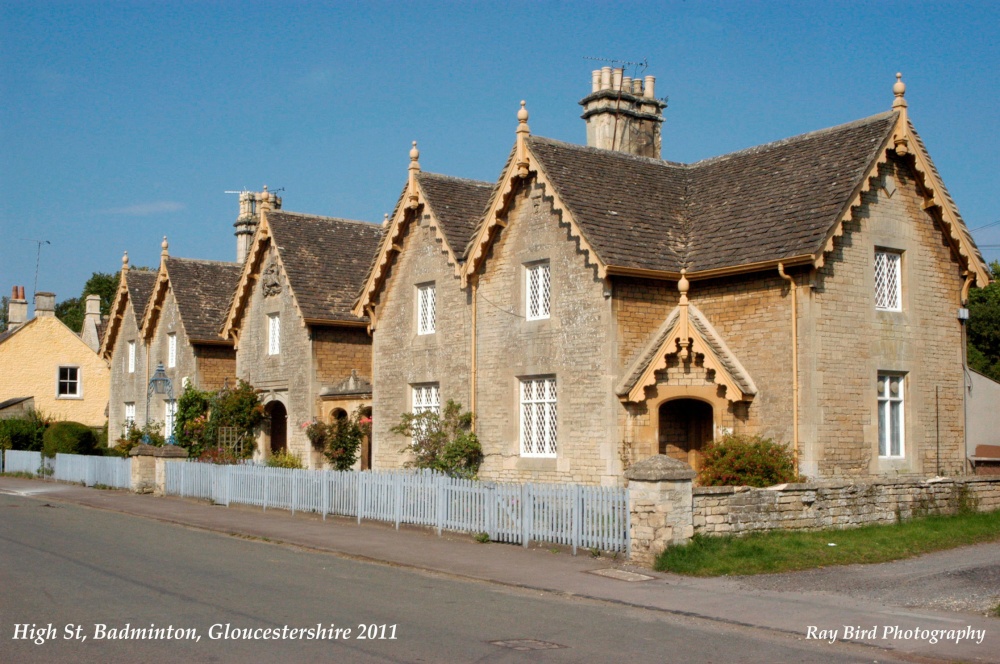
{"type": "Point", "coordinates": [767, 553]}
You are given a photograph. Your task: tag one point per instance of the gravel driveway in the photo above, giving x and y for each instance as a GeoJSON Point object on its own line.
{"type": "Point", "coordinates": [962, 579]}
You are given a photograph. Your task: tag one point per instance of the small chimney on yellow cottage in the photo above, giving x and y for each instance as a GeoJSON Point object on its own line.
{"type": "Point", "coordinates": [17, 308]}
{"type": "Point", "coordinates": [252, 205]}
{"type": "Point", "coordinates": [623, 113]}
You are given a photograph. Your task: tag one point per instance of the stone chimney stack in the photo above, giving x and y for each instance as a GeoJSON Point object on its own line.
{"type": "Point", "coordinates": [45, 304]}
{"type": "Point", "coordinates": [623, 113]}
{"type": "Point", "coordinates": [252, 205]}
{"type": "Point", "coordinates": [92, 322]}
{"type": "Point", "coordinates": [17, 308]}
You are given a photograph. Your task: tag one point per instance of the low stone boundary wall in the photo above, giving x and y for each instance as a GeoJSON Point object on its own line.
{"type": "Point", "coordinates": [666, 509]}
{"type": "Point", "coordinates": [814, 506]}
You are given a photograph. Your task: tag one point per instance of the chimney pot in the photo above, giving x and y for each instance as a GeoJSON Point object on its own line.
{"type": "Point", "coordinates": [616, 79]}
{"type": "Point", "coordinates": [650, 83]}
{"type": "Point", "coordinates": [605, 78]}
{"type": "Point", "coordinates": [637, 86]}
{"type": "Point", "coordinates": [595, 80]}
{"type": "Point", "coordinates": [627, 84]}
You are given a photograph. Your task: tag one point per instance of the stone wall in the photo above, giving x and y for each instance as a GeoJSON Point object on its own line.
{"type": "Point", "coordinates": [815, 506]}
{"type": "Point", "coordinates": [575, 345]}
{"type": "Point", "coordinates": [127, 387]}
{"type": "Point", "coordinates": [402, 358]}
{"type": "Point", "coordinates": [288, 376]}
{"type": "Point", "coordinates": [216, 364]}
{"type": "Point", "coordinates": [847, 342]}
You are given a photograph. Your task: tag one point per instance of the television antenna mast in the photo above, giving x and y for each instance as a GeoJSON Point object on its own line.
{"type": "Point", "coordinates": [38, 258]}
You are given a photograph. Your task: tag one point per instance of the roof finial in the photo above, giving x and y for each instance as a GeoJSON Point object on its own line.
{"type": "Point", "coordinates": [125, 262]}
{"type": "Point", "coordinates": [163, 247]}
{"type": "Point", "coordinates": [684, 331]}
{"type": "Point", "coordinates": [900, 139]}
{"type": "Point", "coordinates": [522, 134]}
{"type": "Point", "coordinates": [899, 89]}
{"type": "Point", "coordinates": [412, 197]}
{"type": "Point", "coordinates": [385, 220]}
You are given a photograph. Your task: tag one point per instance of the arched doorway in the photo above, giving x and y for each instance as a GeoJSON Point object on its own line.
{"type": "Point", "coordinates": [278, 429]}
{"type": "Point", "coordinates": [686, 427]}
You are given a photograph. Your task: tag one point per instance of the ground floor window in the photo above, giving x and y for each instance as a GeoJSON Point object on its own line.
{"type": "Point", "coordinates": [890, 415]}
{"type": "Point", "coordinates": [129, 415]}
{"type": "Point", "coordinates": [427, 398]}
{"type": "Point", "coordinates": [538, 417]}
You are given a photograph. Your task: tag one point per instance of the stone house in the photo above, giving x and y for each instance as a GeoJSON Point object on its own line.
{"type": "Point", "coordinates": [45, 362]}
{"type": "Point", "coordinates": [180, 328]}
{"type": "Point", "coordinates": [420, 313]}
{"type": "Point", "coordinates": [290, 319]}
{"type": "Point", "coordinates": [620, 306]}
{"type": "Point", "coordinates": [123, 348]}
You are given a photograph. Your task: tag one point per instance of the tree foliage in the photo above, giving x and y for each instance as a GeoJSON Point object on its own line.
{"type": "Point", "coordinates": [443, 442]}
{"type": "Point", "coordinates": [984, 327]}
{"type": "Point", "coordinates": [341, 439]}
{"type": "Point", "coordinates": [201, 415]}
{"type": "Point", "coordinates": [71, 310]}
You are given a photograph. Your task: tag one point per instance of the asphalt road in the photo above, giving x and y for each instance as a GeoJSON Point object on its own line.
{"type": "Point", "coordinates": [78, 567]}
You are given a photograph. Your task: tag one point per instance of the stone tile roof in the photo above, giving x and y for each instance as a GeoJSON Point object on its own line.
{"type": "Point", "coordinates": [202, 290]}
{"type": "Point", "coordinates": [325, 260]}
{"type": "Point", "coordinates": [458, 204]}
{"type": "Point", "coordinates": [766, 203]}
{"type": "Point", "coordinates": [140, 287]}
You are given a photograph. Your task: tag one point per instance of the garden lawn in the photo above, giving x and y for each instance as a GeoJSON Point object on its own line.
{"type": "Point", "coordinates": [764, 553]}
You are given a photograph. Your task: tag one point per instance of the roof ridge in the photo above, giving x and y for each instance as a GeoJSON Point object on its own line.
{"type": "Point", "coordinates": [203, 260]}
{"type": "Point", "coordinates": [480, 183]}
{"type": "Point", "coordinates": [791, 139]}
{"type": "Point", "coordinates": [324, 218]}
{"type": "Point", "coordinates": [610, 153]}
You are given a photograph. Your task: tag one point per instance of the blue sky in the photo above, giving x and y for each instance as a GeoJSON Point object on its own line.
{"type": "Point", "coordinates": [124, 122]}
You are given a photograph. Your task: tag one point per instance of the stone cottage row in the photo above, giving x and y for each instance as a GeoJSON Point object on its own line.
{"type": "Point", "coordinates": [596, 305]}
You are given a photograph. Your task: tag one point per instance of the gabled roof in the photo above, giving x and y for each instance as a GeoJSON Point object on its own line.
{"type": "Point", "coordinates": [707, 342]}
{"type": "Point", "coordinates": [135, 286]}
{"type": "Point", "coordinates": [202, 290]}
{"type": "Point", "coordinates": [323, 258]}
{"type": "Point", "coordinates": [783, 201]}
{"type": "Point", "coordinates": [455, 204]}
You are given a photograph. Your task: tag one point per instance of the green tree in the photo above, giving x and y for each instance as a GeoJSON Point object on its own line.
{"type": "Point", "coordinates": [442, 442]}
{"type": "Point", "coordinates": [4, 305]}
{"type": "Point", "coordinates": [983, 327]}
{"type": "Point", "coordinates": [71, 311]}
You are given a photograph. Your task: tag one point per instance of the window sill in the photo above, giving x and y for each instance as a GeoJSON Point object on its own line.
{"type": "Point", "coordinates": [66, 397]}
{"type": "Point", "coordinates": [537, 464]}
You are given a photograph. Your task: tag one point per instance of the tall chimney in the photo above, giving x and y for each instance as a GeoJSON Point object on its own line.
{"type": "Point", "coordinates": [91, 322]}
{"type": "Point", "coordinates": [252, 205]}
{"type": "Point", "coordinates": [45, 304]}
{"type": "Point", "coordinates": [623, 114]}
{"type": "Point", "coordinates": [17, 308]}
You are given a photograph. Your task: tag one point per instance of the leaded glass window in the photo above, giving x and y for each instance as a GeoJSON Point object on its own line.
{"type": "Point", "coordinates": [888, 296]}
{"type": "Point", "coordinates": [537, 291]}
{"type": "Point", "coordinates": [538, 417]}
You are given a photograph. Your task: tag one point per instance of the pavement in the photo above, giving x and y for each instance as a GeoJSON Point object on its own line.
{"type": "Point", "coordinates": [785, 607]}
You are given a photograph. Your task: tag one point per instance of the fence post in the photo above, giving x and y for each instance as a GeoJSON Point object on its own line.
{"type": "Point", "coordinates": [361, 495]}
{"type": "Point", "coordinates": [439, 507]}
{"type": "Point", "coordinates": [526, 510]}
{"type": "Point", "coordinates": [326, 491]}
{"type": "Point", "coordinates": [577, 512]}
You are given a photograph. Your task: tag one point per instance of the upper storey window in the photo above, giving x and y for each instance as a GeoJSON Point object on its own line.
{"type": "Point", "coordinates": [131, 357]}
{"type": "Point", "coordinates": [888, 285]}
{"type": "Point", "coordinates": [172, 350]}
{"type": "Point", "coordinates": [426, 309]}
{"type": "Point", "coordinates": [273, 334]}
{"type": "Point", "coordinates": [537, 289]}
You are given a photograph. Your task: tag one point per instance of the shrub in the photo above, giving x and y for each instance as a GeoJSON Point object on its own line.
{"type": "Point", "coordinates": [149, 434]}
{"type": "Point", "coordinates": [23, 433]}
{"type": "Point", "coordinates": [742, 460]}
{"type": "Point", "coordinates": [442, 442]}
{"type": "Point", "coordinates": [69, 438]}
{"type": "Point", "coordinates": [284, 459]}
{"type": "Point", "coordinates": [219, 455]}
{"type": "Point", "coordinates": [341, 439]}
{"type": "Point", "coordinates": [190, 421]}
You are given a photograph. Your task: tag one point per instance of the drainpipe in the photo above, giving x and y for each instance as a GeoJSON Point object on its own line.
{"type": "Point", "coordinates": [966, 378]}
{"type": "Point", "coordinates": [795, 365]}
{"type": "Point", "coordinates": [472, 394]}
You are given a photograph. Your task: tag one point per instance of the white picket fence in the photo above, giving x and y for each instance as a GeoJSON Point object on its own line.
{"type": "Point", "coordinates": [571, 515]}
{"type": "Point", "coordinates": [88, 470]}
{"type": "Point", "coordinates": [91, 470]}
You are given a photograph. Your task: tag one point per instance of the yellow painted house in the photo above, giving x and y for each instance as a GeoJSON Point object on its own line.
{"type": "Point", "coordinates": [44, 359]}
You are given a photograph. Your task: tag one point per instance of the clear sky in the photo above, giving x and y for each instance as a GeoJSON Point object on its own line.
{"type": "Point", "coordinates": [124, 122]}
